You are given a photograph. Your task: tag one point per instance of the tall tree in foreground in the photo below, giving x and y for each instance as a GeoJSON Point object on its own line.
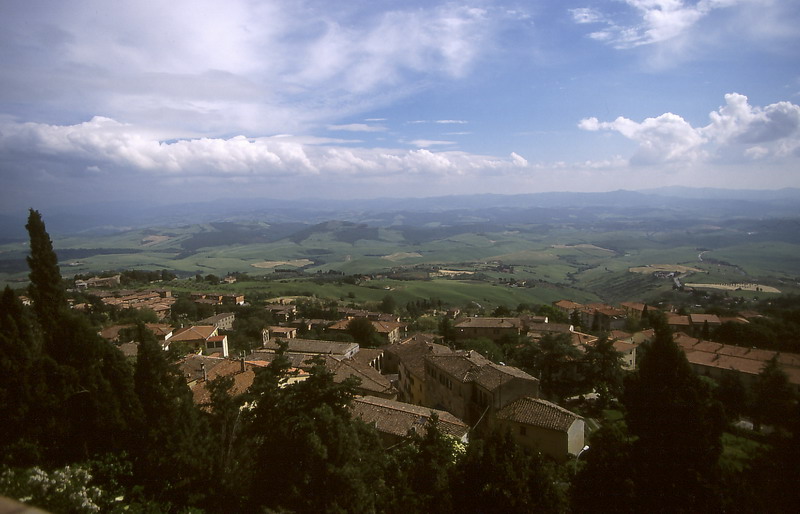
{"type": "Point", "coordinates": [167, 459]}
{"type": "Point", "coordinates": [46, 289]}
{"type": "Point", "coordinates": [497, 475]}
{"type": "Point", "coordinates": [678, 428]}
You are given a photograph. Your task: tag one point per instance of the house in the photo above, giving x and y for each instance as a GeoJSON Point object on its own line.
{"type": "Point", "coordinates": [310, 347]}
{"type": "Point", "coordinates": [489, 328]}
{"type": "Point", "coordinates": [275, 332]}
{"type": "Point", "coordinates": [470, 386]}
{"type": "Point", "coordinates": [567, 306]}
{"type": "Point", "coordinates": [543, 427]}
{"type": "Point", "coordinates": [371, 382]}
{"type": "Point", "coordinates": [698, 321]}
{"type": "Point", "coordinates": [223, 321]}
{"type": "Point", "coordinates": [196, 336]}
{"type": "Point", "coordinates": [716, 360]}
{"type": "Point", "coordinates": [217, 344]}
{"type": "Point", "coordinates": [407, 359]}
{"type": "Point", "coordinates": [395, 421]}
{"type": "Point", "coordinates": [282, 312]}
{"type": "Point", "coordinates": [678, 323]}
{"type": "Point", "coordinates": [602, 317]}
{"type": "Point", "coordinates": [389, 331]}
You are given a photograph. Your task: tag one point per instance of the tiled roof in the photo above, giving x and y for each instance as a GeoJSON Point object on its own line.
{"type": "Point", "coordinates": [567, 304]}
{"type": "Point", "coordinates": [216, 318]}
{"type": "Point", "coordinates": [459, 365]}
{"type": "Point", "coordinates": [699, 319]}
{"type": "Point", "coordinates": [413, 354]}
{"type": "Point", "coordinates": [400, 418]}
{"type": "Point", "coordinates": [488, 323]}
{"type": "Point", "coordinates": [193, 333]}
{"type": "Point", "coordinates": [313, 346]}
{"type": "Point", "coordinates": [560, 328]}
{"type": "Point", "coordinates": [371, 379]}
{"type": "Point", "coordinates": [492, 376]}
{"type": "Point", "coordinates": [539, 413]}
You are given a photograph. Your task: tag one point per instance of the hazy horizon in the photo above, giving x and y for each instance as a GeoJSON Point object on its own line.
{"type": "Point", "coordinates": [197, 100]}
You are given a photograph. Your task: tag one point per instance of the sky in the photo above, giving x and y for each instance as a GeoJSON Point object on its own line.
{"type": "Point", "coordinates": [197, 100]}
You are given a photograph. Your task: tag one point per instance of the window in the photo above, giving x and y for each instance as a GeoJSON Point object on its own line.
{"type": "Point", "coordinates": [522, 430]}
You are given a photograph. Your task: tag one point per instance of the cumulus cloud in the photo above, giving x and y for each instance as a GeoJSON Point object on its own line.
{"type": "Point", "coordinates": [735, 129]}
{"type": "Point", "coordinates": [108, 147]}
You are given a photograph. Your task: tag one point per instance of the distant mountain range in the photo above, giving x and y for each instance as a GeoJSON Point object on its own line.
{"type": "Point", "coordinates": [668, 203]}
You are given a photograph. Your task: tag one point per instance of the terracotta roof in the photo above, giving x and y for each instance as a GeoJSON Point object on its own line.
{"type": "Point", "coordinates": [212, 320]}
{"type": "Point", "coordinates": [539, 413]}
{"type": "Point", "coordinates": [699, 319]}
{"type": "Point", "coordinates": [489, 323]}
{"type": "Point", "coordinates": [398, 418]}
{"type": "Point", "coordinates": [371, 380]}
{"type": "Point", "coordinates": [459, 365]}
{"type": "Point", "coordinates": [313, 346]}
{"type": "Point", "coordinates": [193, 333]}
{"type": "Point", "coordinates": [567, 304]}
{"type": "Point", "coordinates": [413, 354]}
{"type": "Point", "coordinates": [491, 376]}
{"type": "Point", "coordinates": [678, 320]}
{"type": "Point", "coordinates": [560, 328]}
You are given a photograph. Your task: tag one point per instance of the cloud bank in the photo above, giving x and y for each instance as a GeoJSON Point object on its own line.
{"type": "Point", "coordinates": [736, 132]}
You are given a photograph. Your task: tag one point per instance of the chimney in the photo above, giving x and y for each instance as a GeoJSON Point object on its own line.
{"type": "Point", "coordinates": [203, 369]}
{"type": "Point", "coordinates": [241, 360]}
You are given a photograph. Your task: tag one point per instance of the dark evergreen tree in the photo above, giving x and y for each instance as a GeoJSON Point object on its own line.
{"type": "Point", "coordinates": [557, 363]}
{"type": "Point", "coordinates": [774, 400]}
{"type": "Point", "coordinates": [603, 369]}
{"type": "Point", "coordinates": [310, 455]}
{"type": "Point", "coordinates": [363, 332]}
{"type": "Point", "coordinates": [170, 456]}
{"type": "Point", "coordinates": [497, 475]}
{"type": "Point", "coordinates": [46, 289]}
{"type": "Point", "coordinates": [678, 428]}
{"type": "Point", "coordinates": [608, 467]}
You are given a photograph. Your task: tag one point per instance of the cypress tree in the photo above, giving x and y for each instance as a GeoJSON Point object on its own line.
{"type": "Point", "coordinates": [46, 289]}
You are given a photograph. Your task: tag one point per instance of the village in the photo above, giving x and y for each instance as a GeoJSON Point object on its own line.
{"type": "Point", "coordinates": [406, 376]}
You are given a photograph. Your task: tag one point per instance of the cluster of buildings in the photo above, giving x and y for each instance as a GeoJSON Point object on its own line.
{"type": "Point", "coordinates": [411, 378]}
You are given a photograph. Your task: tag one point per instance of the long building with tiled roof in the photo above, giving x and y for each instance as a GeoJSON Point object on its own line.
{"type": "Point", "coordinates": [397, 420]}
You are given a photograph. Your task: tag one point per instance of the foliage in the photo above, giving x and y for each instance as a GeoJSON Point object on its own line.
{"type": "Point", "coordinates": [557, 363]}
{"type": "Point", "coordinates": [775, 401]}
{"type": "Point", "coordinates": [678, 428]}
{"type": "Point", "coordinates": [497, 475]}
{"type": "Point", "coordinates": [603, 369]}
{"type": "Point", "coordinates": [608, 467]}
{"type": "Point", "coordinates": [364, 333]}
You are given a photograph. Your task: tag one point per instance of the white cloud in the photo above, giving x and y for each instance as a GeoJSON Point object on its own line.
{"type": "Point", "coordinates": [656, 21]}
{"type": "Point", "coordinates": [113, 149]}
{"type": "Point", "coordinates": [425, 143]}
{"type": "Point", "coordinates": [736, 130]}
{"type": "Point", "coordinates": [451, 122]}
{"type": "Point", "coordinates": [200, 67]}
{"type": "Point", "coordinates": [586, 15]}
{"type": "Point", "coordinates": [357, 127]}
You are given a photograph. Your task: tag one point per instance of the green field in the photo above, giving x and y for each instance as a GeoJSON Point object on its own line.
{"type": "Point", "coordinates": [548, 262]}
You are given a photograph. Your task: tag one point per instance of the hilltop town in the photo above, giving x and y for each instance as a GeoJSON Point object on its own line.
{"type": "Point", "coordinates": [565, 391]}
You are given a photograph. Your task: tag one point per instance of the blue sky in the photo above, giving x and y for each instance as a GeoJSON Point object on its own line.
{"type": "Point", "coordinates": [185, 100]}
